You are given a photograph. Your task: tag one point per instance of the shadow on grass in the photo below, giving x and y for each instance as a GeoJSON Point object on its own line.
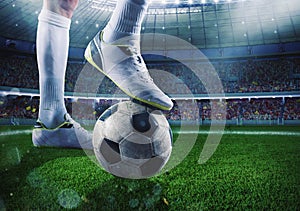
{"type": "Point", "coordinates": [18, 159]}
{"type": "Point", "coordinates": [126, 194]}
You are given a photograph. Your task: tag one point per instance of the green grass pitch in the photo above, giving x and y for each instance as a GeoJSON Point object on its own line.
{"type": "Point", "coordinates": [246, 172]}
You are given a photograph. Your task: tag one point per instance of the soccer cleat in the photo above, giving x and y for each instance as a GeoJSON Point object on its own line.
{"type": "Point", "coordinates": [124, 65]}
{"type": "Point", "coordinates": [69, 134]}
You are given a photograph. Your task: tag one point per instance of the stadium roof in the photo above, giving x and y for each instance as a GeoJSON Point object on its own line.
{"type": "Point", "coordinates": [204, 23]}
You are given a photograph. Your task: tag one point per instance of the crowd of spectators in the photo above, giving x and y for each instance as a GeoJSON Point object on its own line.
{"type": "Point", "coordinates": [242, 109]}
{"type": "Point", "coordinates": [241, 76]}
{"type": "Point", "coordinates": [201, 110]}
{"type": "Point", "coordinates": [238, 76]}
{"type": "Point", "coordinates": [19, 107]}
{"type": "Point", "coordinates": [19, 72]}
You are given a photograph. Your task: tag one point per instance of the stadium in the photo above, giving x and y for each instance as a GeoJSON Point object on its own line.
{"type": "Point", "coordinates": [232, 70]}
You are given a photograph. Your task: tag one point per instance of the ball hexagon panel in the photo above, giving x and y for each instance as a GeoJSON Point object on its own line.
{"type": "Point", "coordinates": [110, 151]}
{"type": "Point", "coordinates": [136, 146]}
{"type": "Point", "coordinates": [117, 126]}
{"type": "Point", "coordinates": [126, 170]}
{"type": "Point", "coordinates": [160, 146]}
{"type": "Point", "coordinates": [148, 120]}
{"type": "Point", "coordinates": [140, 122]}
{"type": "Point", "coordinates": [152, 165]}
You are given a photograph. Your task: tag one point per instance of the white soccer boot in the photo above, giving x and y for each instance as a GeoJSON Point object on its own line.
{"type": "Point", "coordinates": [69, 134]}
{"type": "Point", "coordinates": [124, 65]}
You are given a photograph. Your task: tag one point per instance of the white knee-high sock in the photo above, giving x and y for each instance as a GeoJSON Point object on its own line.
{"type": "Point", "coordinates": [126, 19]}
{"type": "Point", "coordinates": [52, 44]}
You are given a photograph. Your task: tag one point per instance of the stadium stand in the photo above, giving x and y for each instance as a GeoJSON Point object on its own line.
{"type": "Point", "coordinates": [238, 76]}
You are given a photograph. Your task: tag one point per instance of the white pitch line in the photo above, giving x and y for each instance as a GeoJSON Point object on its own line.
{"type": "Point", "coordinates": [231, 132]}
{"type": "Point", "coordinates": [202, 132]}
{"type": "Point", "coordinates": [15, 132]}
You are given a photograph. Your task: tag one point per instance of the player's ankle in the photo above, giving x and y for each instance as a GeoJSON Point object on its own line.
{"type": "Point", "coordinates": [52, 122]}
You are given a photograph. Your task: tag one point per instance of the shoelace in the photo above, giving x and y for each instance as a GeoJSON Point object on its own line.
{"type": "Point", "coordinates": [137, 59]}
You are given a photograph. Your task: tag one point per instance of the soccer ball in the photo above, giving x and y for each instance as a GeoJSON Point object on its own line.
{"type": "Point", "coordinates": [132, 141]}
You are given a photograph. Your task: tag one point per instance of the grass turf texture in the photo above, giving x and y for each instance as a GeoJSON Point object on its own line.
{"type": "Point", "coordinates": [245, 172]}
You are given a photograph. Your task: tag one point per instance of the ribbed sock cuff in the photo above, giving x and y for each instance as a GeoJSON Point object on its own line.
{"type": "Point", "coordinates": [126, 20]}
{"type": "Point", "coordinates": [54, 19]}
{"type": "Point", "coordinates": [130, 18]}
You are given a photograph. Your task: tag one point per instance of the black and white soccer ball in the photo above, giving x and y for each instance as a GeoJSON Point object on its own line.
{"type": "Point", "coordinates": [132, 141]}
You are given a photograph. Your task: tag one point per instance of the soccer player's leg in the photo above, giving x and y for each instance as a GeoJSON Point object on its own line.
{"type": "Point", "coordinates": [115, 51]}
{"type": "Point", "coordinates": [55, 127]}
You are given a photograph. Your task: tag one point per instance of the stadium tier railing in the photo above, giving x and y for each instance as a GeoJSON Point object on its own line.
{"type": "Point", "coordinates": [4, 90]}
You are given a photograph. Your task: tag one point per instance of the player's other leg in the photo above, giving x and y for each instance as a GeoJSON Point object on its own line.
{"type": "Point", "coordinates": [115, 51]}
{"type": "Point", "coordinates": [55, 127]}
